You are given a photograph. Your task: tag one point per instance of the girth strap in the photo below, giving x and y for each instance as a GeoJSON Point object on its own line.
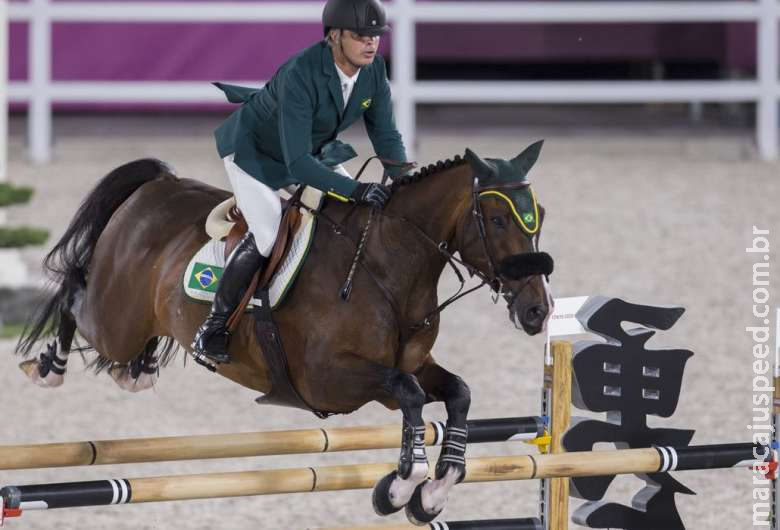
{"type": "Point", "coordinates": [282, 390]}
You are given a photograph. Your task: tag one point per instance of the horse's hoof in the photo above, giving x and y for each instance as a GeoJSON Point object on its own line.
{"type": "Point", "coordinates": [121, 376]}
{"type": "Point", "coordinates": [383, 503]}
{"type": "Point", "coordinates": [31, 368]}
{"type": "Point", "coordinates": [415, 511]}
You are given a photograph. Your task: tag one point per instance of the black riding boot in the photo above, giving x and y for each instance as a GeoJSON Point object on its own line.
{"type": "Point", "coordinates": [212, 337]}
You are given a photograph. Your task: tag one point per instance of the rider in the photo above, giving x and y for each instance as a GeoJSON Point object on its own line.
{"type": "Point", "coordinates": [285, 134]}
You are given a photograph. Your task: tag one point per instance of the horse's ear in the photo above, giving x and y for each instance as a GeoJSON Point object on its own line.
{"type": "Point", "coordinates": [525, 160]}
{"type": "Point", "coordinates": [480, 166]}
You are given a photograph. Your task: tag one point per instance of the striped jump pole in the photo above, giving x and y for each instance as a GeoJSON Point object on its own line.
{"type": "Point", "coordinates": [493, 524]}
{"type": "Point", "coordinates": [16, 499]}
{"type": "Point", "coordinates": [252, 444]}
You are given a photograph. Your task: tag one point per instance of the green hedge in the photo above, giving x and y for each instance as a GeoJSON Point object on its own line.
{"type": "Point", "coordinates": [14, 195]}
{"type": "Point", "coordinates": [21, 237]}
{"type": "Point", "coordinates": [11, 331]}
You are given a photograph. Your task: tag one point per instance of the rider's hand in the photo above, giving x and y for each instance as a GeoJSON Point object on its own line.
{"type": "Point", "coordinates": [374, 194]}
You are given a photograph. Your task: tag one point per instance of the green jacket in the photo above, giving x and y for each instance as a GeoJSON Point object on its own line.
{"type": "Point", "coordinates": [285, 133]}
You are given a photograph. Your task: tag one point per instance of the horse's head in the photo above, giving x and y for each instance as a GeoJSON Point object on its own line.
{"type": "Point", "coordinates": [500, 236]}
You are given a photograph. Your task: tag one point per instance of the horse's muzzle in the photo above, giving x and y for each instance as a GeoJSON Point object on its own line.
{"type": "Point", "coordinates": [527, 312]}
{"type": "Point", "coordinates": [530, 318]}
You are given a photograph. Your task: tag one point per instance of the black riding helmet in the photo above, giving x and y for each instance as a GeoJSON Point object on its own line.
{"type": "Point", "coordinates": [364, 17]}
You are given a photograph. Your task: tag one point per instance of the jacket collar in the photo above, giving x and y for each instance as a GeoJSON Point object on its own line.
{"type": "Point", "coordinates": [334, 84]}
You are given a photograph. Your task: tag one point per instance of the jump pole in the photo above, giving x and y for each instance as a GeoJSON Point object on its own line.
{"type": "Point", "coordinates": [492, 524]}
{"type": "Point", "coordinates": [240, 445]}
{"type": "Point", "coordinates": [16, 499]}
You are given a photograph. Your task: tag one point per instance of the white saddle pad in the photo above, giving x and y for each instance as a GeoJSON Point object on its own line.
{"type": "Point", "coordinates": [205, 268]}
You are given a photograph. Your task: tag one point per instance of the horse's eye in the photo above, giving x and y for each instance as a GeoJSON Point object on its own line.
{"type": "Point", "coordinates": [498, 222]}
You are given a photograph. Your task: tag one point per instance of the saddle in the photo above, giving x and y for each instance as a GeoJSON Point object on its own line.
{"type": "Point", "coordinates": [227, 223]}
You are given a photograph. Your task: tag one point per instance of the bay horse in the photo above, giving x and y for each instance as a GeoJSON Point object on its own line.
{"type": "Point", "coordinates": [118, 271]}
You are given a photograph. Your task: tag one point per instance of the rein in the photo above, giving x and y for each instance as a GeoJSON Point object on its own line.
{"type": "Point", "coordinates": [443, 249]}
{"type": "Point", "coordinates": [346, 290]}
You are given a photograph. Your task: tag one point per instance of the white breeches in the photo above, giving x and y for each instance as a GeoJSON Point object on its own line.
{"type": "Point", "coordinates": [261, 205]}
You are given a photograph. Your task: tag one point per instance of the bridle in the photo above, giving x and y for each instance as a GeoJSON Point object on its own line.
{"type": "Point", "coordinates": [495, 279]}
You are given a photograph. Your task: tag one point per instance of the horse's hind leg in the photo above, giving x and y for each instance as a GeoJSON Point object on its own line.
{"type": "Point", "coordinates": [141, 373]}
{"type": "Point", "coordinates": [430, 497]}
{"type": "Point", "coordinates": [48, 370]}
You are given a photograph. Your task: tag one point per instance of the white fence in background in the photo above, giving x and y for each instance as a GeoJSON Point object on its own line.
{"type": "Point", "coordinates": [11, 266]}
{"type": "Point", "coordinates": [40, 91]}
{"type": "Point", "coordinates": [4, 42]}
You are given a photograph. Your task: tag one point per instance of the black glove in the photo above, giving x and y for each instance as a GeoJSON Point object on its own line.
{"type": "Point", "coordinates": [374, 194]}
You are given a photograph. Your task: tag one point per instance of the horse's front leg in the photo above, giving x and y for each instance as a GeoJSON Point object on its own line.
{"type": "Point", "coordinates": [430, 497]}
{"type": "Point", "coordinates": [394, 490]}
{"type": "Point", "coordinates": [348, 381]}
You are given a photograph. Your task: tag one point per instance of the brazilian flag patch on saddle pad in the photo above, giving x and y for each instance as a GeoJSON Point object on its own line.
{"type": "Point", "coordinates": [204, 270]}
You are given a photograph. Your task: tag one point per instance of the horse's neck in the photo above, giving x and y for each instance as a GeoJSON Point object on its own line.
{"type": "Point", "coordinates": [435, 205]}
{"type": "Point", "coordinates": [437, 202]}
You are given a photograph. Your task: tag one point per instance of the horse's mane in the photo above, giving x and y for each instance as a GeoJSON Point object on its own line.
{"type": "Point", "coordinates": [425, 171]}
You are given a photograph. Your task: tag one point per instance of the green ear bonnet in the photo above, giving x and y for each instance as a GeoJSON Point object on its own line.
{"type": "Point", "coordinates": [507, 180]}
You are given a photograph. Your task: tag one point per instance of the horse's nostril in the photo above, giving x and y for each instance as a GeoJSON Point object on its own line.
{"type": "Point", "coordinates": [535, 313]}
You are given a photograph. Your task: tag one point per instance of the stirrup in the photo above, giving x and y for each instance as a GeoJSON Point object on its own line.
{"type": "Point", "coordinates": [201, 350]}
{"type": "Point", "coordinates": [218, 359]}
{"type": "Point", "coordinates": [203, 361]}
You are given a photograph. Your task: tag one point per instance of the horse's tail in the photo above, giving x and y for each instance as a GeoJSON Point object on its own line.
{"type": "Point", "coordinates": [68, 261]}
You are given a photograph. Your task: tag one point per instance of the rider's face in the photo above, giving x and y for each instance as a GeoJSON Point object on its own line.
{"type": "Point", "coordinates": [360, 50]}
